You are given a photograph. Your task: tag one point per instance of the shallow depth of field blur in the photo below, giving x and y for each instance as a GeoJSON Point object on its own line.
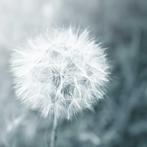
{"type": "Point", "coordinates": [120, 120]}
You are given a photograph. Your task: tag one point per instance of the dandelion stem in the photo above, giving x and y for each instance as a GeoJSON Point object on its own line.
{"type": "Point", "coordinates": [54, 131]}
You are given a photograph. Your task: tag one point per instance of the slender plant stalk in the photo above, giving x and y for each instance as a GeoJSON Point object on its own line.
{"type": "Point", "coordinates": [54, 131]}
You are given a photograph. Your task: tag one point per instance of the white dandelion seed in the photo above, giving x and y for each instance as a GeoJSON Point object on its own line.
{"type": "Point", "coordinates": [60, 73]}
{"type": "Point", "coordinates": [63, 70]}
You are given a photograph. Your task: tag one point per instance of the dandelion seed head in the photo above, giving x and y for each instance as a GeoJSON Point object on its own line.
{"type": "Point", "coordinates": [64, 69]}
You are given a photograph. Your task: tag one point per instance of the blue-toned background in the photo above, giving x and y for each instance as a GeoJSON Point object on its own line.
{"type": "Point", "coordinates": [120, 120]}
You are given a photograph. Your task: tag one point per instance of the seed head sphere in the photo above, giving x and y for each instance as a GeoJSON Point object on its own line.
{"type": "Point", "coordinates": [64, 70]}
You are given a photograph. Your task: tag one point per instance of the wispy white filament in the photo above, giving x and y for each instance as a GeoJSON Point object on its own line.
{"type": "Point", "coordinates": [63, 70]}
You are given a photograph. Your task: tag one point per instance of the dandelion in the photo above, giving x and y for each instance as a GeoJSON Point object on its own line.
{"type": "Point", "coordinates": [60, 73]}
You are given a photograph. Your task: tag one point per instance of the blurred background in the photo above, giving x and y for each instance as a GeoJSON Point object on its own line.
{"type": "Point", "coordinates": [120, 120]}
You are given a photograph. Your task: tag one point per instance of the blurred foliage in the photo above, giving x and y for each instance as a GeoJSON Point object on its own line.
{"type": "Point", "coordinates": [121, 118]}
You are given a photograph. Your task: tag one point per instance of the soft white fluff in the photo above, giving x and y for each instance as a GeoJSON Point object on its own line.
{"type": "Point", "coordinates": [64, 69]}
